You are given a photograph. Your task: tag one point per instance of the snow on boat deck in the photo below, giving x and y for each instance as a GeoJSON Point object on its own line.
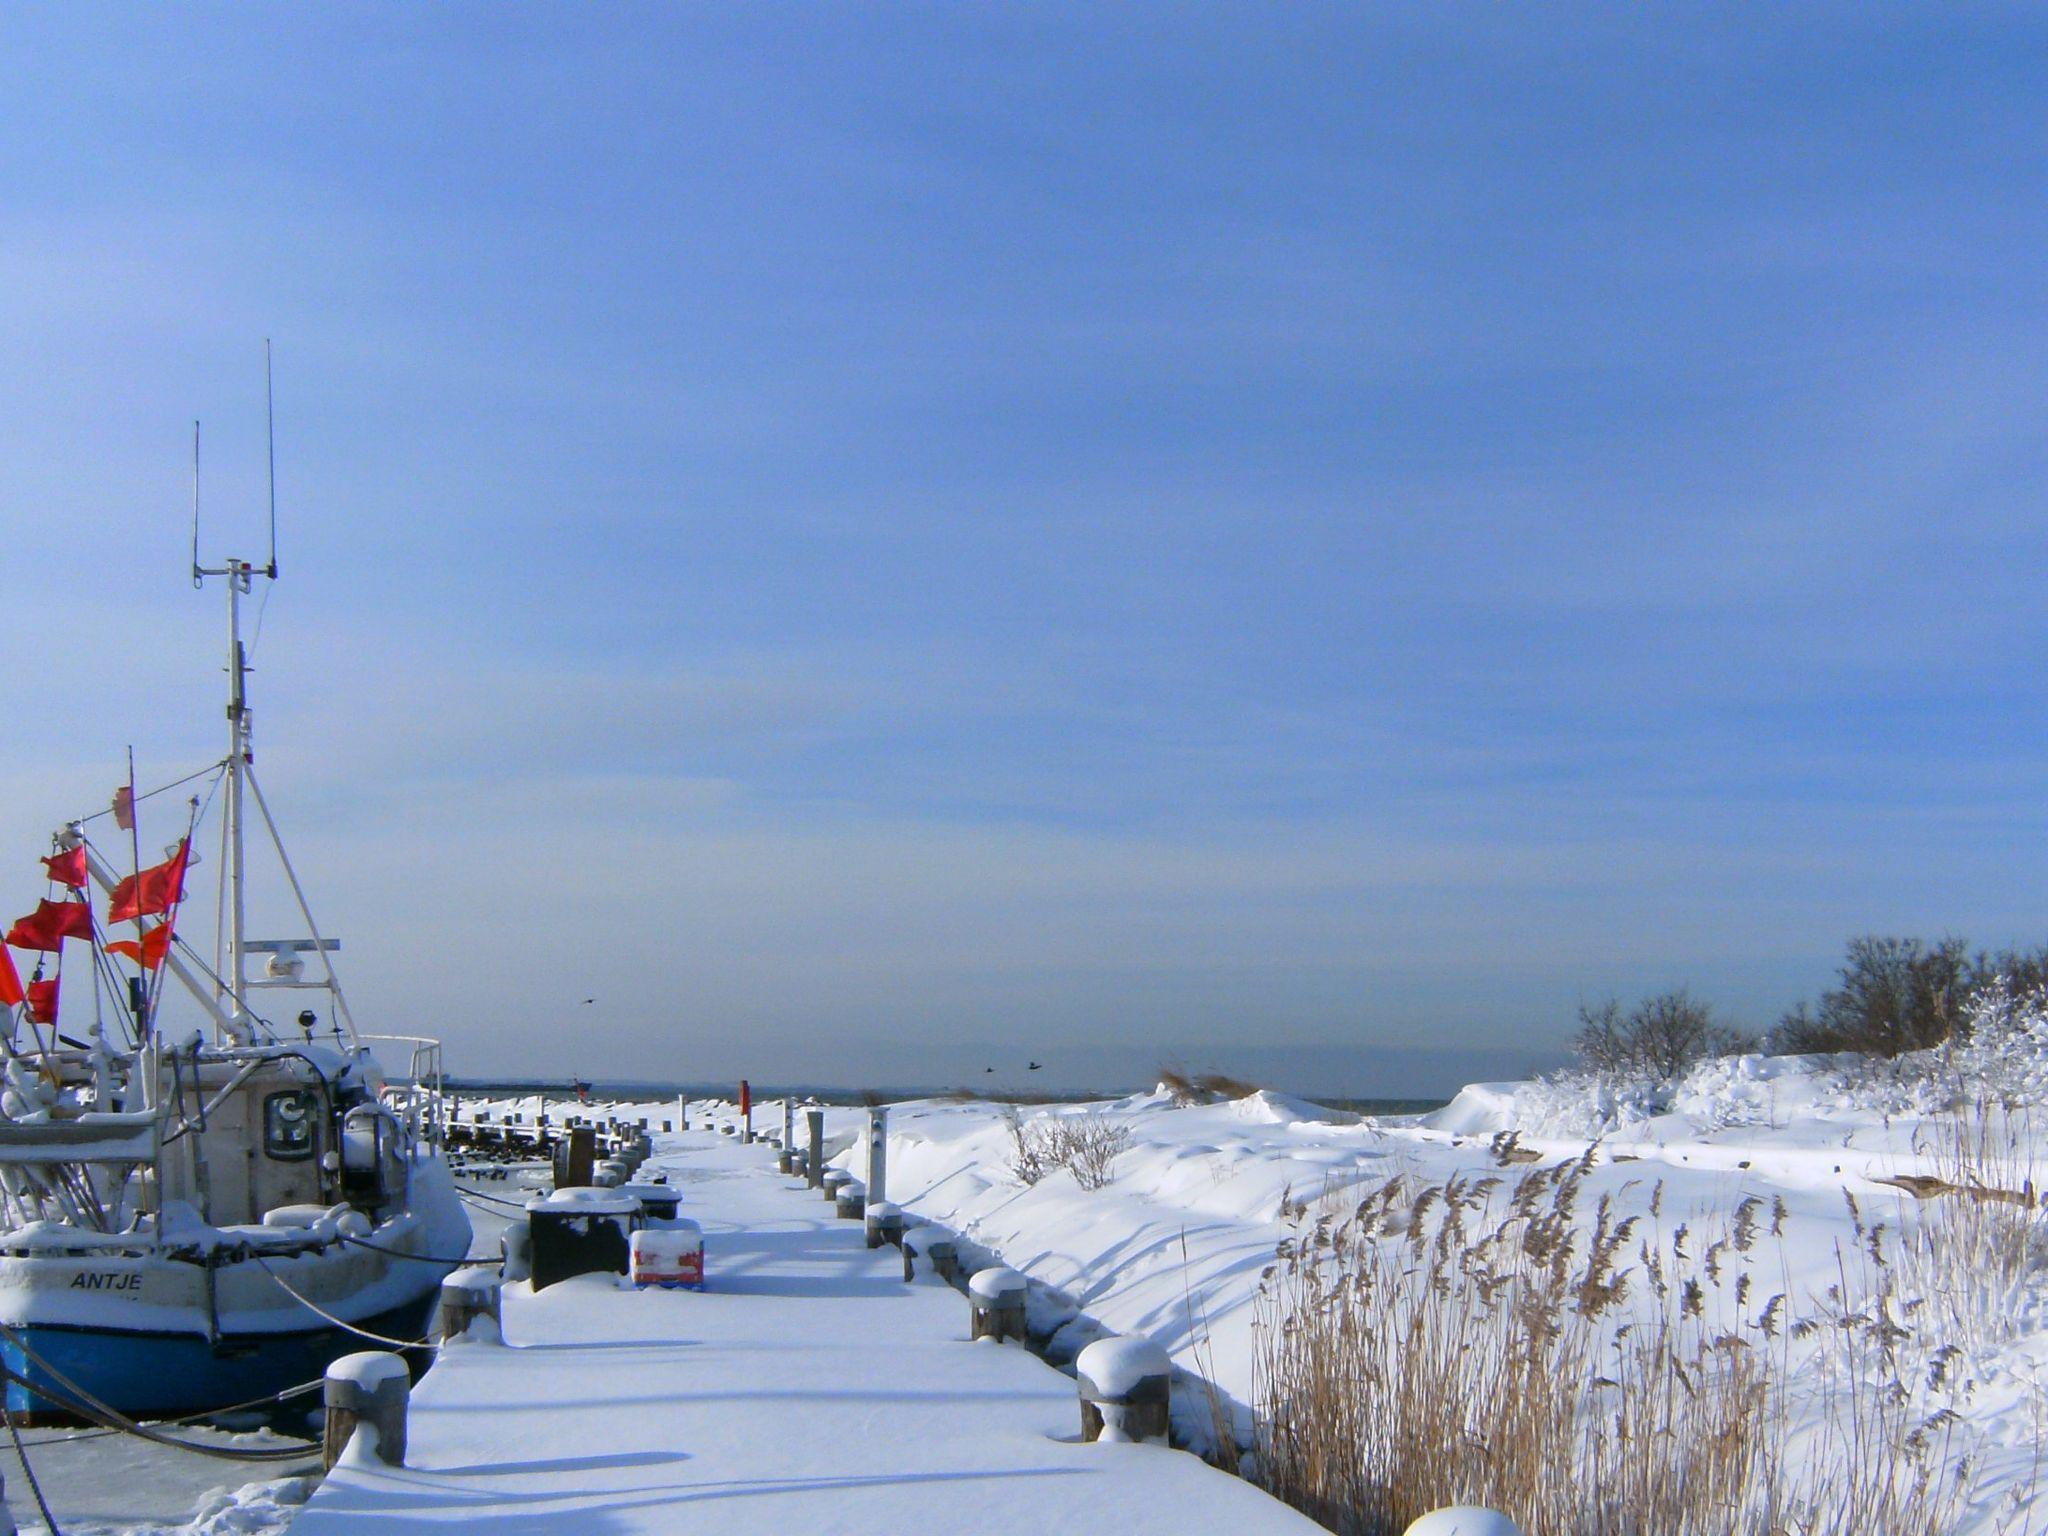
{"type": "Point", "coordinates": [808, 1385]}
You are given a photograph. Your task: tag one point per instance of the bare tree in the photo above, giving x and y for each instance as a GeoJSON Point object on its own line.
{"type": "Point", "coordinates": [1661, 1036]}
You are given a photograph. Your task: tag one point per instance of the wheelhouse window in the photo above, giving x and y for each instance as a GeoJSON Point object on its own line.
{"type": "Point", "coordinates": [288, 1123]}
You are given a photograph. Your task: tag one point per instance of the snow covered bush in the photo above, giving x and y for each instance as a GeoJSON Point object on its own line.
{"type": "Point", "coordinates": [1086, 1145]}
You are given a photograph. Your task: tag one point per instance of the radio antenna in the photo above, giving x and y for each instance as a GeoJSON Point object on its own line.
{"type": "Point", "coordinates": [195, 505]}
{"type": "Point", "coordinates": [270, 430]}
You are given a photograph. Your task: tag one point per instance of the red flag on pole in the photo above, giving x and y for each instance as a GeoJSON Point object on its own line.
{"type": "Point", "coordinates": [42, 1001]}
{"type": "Point", "coordinates": [51, 924]}
{"type": "Point", "coordinates": [124, 807]}
{"type": "Point", "coordinates": [156, 889]}
{"type": "Point", "coordinates": [150, 952]}
{"type": "Point", "coordinates": [11, 994]}
{"type": "Point", "coordinates": [68, 867]}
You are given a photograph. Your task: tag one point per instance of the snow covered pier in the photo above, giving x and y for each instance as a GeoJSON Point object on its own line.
{"type": "Point", "coordinates": [808, 1389]}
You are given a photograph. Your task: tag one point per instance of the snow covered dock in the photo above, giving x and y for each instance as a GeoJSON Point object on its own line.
{"type": "Point", "coordinates": [809, 1386]}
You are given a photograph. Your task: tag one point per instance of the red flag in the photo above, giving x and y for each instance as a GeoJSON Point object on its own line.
{"type": "Point", "coordinates": [124, 807]}
{"type": "Point", "coordinates": [51, 924]}
{"type": "Point", "coordinates": [42, 1001]}
{"type": "Point", "coordinates": [156, 889]}
{"type": "Point", "coordinates": [149, 954]}
{"type": "Point", "coordinates": [68, 867]}
{"type": "Point", "coordinates": [11, 994]}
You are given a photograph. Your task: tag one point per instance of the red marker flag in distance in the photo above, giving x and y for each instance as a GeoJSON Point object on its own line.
{"type": "Point", "coordinates": [68, 867]}
{"type": "Point", "coordinates": [156, 889]}
{"type": "Point", "coordinates": [124, 807]}
{"type": "Point", "coordinates": [51, 924]}
{"type": "Point", "coordinates": [42, 1001]}
{"type": "Point", "coordinates": [149, 954]}
{"type": "Point", "coordinates": [11, 994]}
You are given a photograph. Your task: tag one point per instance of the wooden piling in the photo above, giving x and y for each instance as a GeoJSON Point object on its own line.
{"type": "Point", "coordinates": [814, 1123]}
{"type": "Point", "coordinates": [371, 1388]}
{"type": "Point", "coordinates": [885, 1224]}
{"type": "Point", "coordinates": [995, 1299]}
{"type": "Point", "coordinates": [1126, 1388]}
{"type": "Point", "coordinates": [470, 1307]}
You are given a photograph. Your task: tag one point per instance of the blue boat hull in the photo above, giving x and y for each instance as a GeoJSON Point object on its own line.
{"type": "Point", "coordinates": [165, 1375]}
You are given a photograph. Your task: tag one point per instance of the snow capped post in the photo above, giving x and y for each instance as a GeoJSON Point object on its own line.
{"type": "Point", "coordinates": [814, 1123]}
{"type": "Point", "coordinates": [469, 1307]}
{"type": "Point", "coordinates": [995, 1298]}
{"type": "Point", "coordinates": [878, 1152]}
{"type": "Point", "coordinates": [945, 1259]}
{"type": "Point", "coordinates": [1126, 1391]}
{"type": "Point", "coordinates": [831, 1179]}
{"type": "Point", "coordinates": [885, 1224]}
{"type": "Point", "coordinates": [850, 1200]}
{"type": "Point", "coordinates": [369, 1388]}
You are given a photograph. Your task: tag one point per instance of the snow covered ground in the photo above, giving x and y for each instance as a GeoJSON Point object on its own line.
{"type": "Point", "coordinates": [807, 1388]}
{"type": "Point", "coordinates": [1838, 1168]}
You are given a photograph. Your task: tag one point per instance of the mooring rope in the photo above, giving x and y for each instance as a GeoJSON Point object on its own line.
{"type": "Point", "coordinates": [340, 1322]}
{"type": "Point", "coordinates": [417, 1258]}
{"type": "Point", "coordinates": [76, 1399]}
{"type": "Point", "coordinates": [29, 1472]}
{"type": "Point", "coordinates": [284, 1396]}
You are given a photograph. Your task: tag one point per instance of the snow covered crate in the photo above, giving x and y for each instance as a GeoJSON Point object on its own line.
{"type": "Point", "coordinates": [669, 1256]}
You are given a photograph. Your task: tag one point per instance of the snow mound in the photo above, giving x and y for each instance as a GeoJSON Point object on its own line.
{"type": "Point", "coordinates": [1265, 1107]}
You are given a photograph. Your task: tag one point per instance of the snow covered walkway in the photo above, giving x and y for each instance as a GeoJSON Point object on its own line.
{"type": "Point", "coordinates": [808, 1387]}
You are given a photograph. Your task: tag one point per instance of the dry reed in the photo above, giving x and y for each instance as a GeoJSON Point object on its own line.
{"type": "Point", "coordinates": [1513, 1341]}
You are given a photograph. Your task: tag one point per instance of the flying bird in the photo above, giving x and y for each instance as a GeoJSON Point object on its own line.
{"type": "Point", "coordinates": [1035, 1066]}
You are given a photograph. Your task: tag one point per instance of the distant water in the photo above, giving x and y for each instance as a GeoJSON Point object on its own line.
{"type": "Point", "coordinates": [647, 1091]}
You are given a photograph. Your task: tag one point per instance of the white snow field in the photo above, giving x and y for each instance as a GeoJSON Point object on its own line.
{"type": "Point", "coordinates": [808, 1388]}
{"type": "Point", "coordinates": [1768, 1182]}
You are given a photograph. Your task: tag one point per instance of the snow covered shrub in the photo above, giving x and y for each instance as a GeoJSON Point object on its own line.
{"type": "Point", "coordinates": [1031, 1156]}
{"type": "Point", "coordinates": [1087, 1146]}
{"type": "Point", "coordinates": [1189, 1089]}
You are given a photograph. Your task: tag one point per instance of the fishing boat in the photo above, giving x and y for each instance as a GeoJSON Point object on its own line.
{"type": "Point", "coordinates": [203, 1203]}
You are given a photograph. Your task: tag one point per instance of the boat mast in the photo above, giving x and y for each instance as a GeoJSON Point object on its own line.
{"type": "Point", "coordinates": [241, 576]}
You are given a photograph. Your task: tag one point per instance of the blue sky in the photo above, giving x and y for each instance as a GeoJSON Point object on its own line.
{"type": "Point", "coordinates": [880, 541]}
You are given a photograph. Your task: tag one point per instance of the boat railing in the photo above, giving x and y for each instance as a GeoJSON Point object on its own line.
{"type": "Point", "coordinates": [418, 1100]}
